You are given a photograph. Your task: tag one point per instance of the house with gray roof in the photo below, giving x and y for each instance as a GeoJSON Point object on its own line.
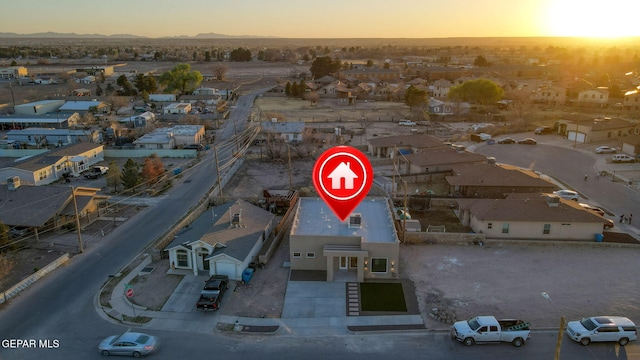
{"type": "Point", "coordinates": [286, 131]}
{"type": "Point", "coordinates": [53, 165]}
{"type": "Point", "coordinates": [495, 181]}
{"type": "Point", "coordinates": [36, 136]}
{"type": "Point", "coordinates": [441, 159]}
{"type": "Point", "coordinates": [536, 216]}
{"type": "Point", "coordinates": [222, 241]}
{"type": "Point", "coordinates": [47, 208]}
{"type": "Point", "coordinates": [364, 246]}
{"type": "Point", "coordinates": [83, 107]}
{"type": "Point", "coordinates": [49, 120]}
{"type": "Point", "coordinates": [41, 107]}
{"type": "Point", "coordinates": [389, 146]}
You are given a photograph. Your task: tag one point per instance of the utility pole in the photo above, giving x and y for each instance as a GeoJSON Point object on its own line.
{"type": "Point", "coordinates": [215, 154]}
{"type": "Point", "coordinates": [559, 342]}
{"type": "Point", "coordinates": [75, 206]}
{"type": "Point", "coordinates": [290, 179]}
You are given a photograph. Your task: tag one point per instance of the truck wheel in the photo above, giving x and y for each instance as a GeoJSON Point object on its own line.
{"type": "Point", "coordinates": [517, 342]}
{"type": "Point", "coordinates": [469, 341]}
{"type": "Point", "coordinates": [585, 341]}
{"type": "Point", "coordinates": [623, 341]}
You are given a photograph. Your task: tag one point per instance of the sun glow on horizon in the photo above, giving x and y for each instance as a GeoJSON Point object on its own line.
{"type": "Point", "coordinates": [610, 19]}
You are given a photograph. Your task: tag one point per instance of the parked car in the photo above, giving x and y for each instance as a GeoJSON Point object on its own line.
{"type": "Point", "coordinates": [620, 158]}
{"type": "Point", "coordinates": [488, 329]}
{"type": "Point", "coordinates": [592, 208]}
{"type": "Point", "coordinates": [95, 172]}
{"type": "Point", "coordinates": [211, 295]}
{"type": "Point", "coordinates": [406, 123]}
{"type": "Point", "coordinates": [605, 150]}
{"type": "Point", "coordinates": [528, 141]}
{"type": "Point", "coordinates": [567, 194]}
{"type": "Point", "coordinates": [602, 328]}
{"type": "Point", "coordinates": [507, 141]}
{"type": "Point", "coordinates": [543, 130]}
{"type": "Point", "coordinates": [129, 343]}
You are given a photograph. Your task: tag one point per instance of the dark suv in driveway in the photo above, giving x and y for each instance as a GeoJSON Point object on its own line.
{"type": "Point", "coordinates": [212, 292]}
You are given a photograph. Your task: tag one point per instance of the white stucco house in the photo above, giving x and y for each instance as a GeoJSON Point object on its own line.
{"type": "Point", "coordinates": [222, 241]}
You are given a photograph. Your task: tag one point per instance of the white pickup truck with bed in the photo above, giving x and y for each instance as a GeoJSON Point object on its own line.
{"type": "Point", "coordinates": [488, 329]}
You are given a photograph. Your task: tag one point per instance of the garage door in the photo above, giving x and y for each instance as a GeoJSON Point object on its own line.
{"type": "Point", "coordinates": [628, 148]}
{"type": "Point", "coordinates": [226, 268]}
{"type": "Point", "coordinates": [572, 136]}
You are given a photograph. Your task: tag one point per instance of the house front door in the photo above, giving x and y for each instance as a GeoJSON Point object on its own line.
{"type": "Point", "coordinates": [205, 263]}
{"type": "Point", "coordinates": [343, 263]}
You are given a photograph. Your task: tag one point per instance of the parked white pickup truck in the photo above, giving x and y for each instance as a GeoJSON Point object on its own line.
{"type": "Point", "coordinates": [488, 329]}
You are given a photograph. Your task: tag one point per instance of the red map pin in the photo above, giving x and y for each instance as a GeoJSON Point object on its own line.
{"type": "Point", "coordinates": [342, 176]}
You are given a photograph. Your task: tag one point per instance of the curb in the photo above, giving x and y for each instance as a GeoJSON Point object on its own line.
{"type": "Point", "coordinates": [247, 329]}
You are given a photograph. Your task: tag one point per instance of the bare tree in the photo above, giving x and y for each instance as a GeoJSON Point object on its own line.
{"type": "Point", "coordinates": [219, 71]}
{"type": "Point", "coordinates": [117, 102]}
{"type": "Point", "coordinates": [312, 97]}
{"type": "Point", "coordinates": [6, 265]}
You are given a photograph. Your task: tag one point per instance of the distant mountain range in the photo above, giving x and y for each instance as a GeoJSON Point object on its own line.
{"type": "Point", "coordinates": [124, 36]}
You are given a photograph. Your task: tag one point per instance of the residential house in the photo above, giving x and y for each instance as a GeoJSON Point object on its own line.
{"type": "Point", "coordinates": [390, 146]}
{"type": "Point", "coordinates": [439, 159]}
{"type": "Point", "coordinates": [89, 79]}
{"type": "Point", "coordinates": [13, 72]}
{"type": "Point", "coordinates": [178, 108]}
{"type": "Point", "coordinates": [534, 216]}
{"type": "Point", "coordinates": [437, 107]}
{"type": "Point", "coordinates": [51, 166]}
{"type": "Point", "coordinates": [365, 246]}
{"type": "Point", "coordinates": [586, 129]}
{"type": "Point", "coordinates": [598, 96]}
{"type": "Point", "coordinates": [81, 92]}
{"type": "Point", "coordinates": [632, 100]}
{"type": "Point", "coordinates": [83, 107]}
{"type": "Point", "coordinates": [57, 120]}
{"type": "Point", "coordinates": [492, 181]}
{"type": "Point", "coordinates": [550, 95]}
{"type": "Point", "coordinates": [95, 70]}
{"type": "Point", "coordinates": [139, 120]}
{"type": "Point", "coordinates": [47, 208]}
{"type": "Point", "coordinates": [162, 97]}
{"type": "Point", "coordinates": [224, 240]}
{"type": "Point", "coordinates": [34, 136]}
{"type": "Point", "coordinates": [630, 145]}
{"type": "Point", "coordinates": [440, 88]}
{"type": "Point", "coordinates": [41, 107]}
{"type": "Point", "coordinates": [171, 137]}
{"type": "Point", "coordinates": [286, 131]}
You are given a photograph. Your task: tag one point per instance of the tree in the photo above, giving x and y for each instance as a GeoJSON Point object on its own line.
{"type": "Point", "coordinates": [99, 91]}
{"type": "Point", "coordinates": [130, 175]}
{"type": "Point", "coordinates": [146, 83]}
{"type": "Point", "coordinates": [480, 91]}
{"type": "Point", "coordinates": [481, 61]}
{"type": "Point", "coordinates": [117, 102]}
{"type": "Point", "coordinates": [323, 66]}
{"type": "Point", "coordinates": [152, 169]}
{"type": "Point", "coordinates": [6, 265]}
{"type": "Point", "coordinates": [114, 177]}
{"type": "Point", "coordinates": [312, 97]}
{"type": "Point", "coordinates": [369, 63]}
{"type": "Point", "coordinates": [415, 97]}
{"type": "Point", "coordinates": [219, 71]}
{"type": "Point", "coordinates": [127, 89]}
{"type": "Point", "coordinates": [240, 54]}
{"type": "Point", "coordinates": [181, 79]}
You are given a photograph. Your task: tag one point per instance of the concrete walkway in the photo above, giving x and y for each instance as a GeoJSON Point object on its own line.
{"type": "Point", "coordinates": [310, 308]}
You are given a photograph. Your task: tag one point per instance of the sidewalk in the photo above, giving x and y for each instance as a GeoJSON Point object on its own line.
{"type": "Point", "coordinates": [324, 323]}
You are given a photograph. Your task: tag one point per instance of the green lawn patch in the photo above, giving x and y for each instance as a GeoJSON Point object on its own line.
{"type": "Point", "coordinates": [382, 297]}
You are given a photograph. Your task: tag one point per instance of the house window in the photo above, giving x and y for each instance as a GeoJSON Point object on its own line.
{"type": "Point", "coordinates": [183, 260]}
{"type": "Point", "coordinates": [489, 225]}
{"type": "Point", "coordinates": [505, 228]}
{"type": "Point", "coordinates": [311, 255]}
{"type": "Point", "coordinates": [297, 255]}
{"type": "Point", "coordinates": [378, 265]}
{"type": "Point", "coordinates": [546, 229]}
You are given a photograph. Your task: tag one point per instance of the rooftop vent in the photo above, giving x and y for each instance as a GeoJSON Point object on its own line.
{"type": "Point", "coordinates": [235, 219]}
{"type": "Point", "coordinates": [552, 200]}
{"type": "Point", "coordinates": [355, 221]}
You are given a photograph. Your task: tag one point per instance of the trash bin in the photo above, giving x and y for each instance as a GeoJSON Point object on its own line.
{"type": "Point", "coordinates": [599, 237]}
{"type": "Point", "coordinates": [247, 274]}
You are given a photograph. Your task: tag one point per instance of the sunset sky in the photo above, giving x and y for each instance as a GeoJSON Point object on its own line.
{"type": "Point", "coordinates": [326, 18]}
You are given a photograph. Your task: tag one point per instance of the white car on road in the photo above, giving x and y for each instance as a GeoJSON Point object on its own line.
{"type": "Point", "coordinates": [568, 194]}
{"type": "Point", "coordinates": [605, 150]}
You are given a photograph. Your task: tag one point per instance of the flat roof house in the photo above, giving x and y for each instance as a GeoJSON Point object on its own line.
{"type": "Point", "coordinates": [365, 246]}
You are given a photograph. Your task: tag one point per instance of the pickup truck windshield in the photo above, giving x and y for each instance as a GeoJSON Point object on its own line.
{"type": "Point", "coordinates": [588, 324]}
{"type": "Point", "coordinates": [473, 324]}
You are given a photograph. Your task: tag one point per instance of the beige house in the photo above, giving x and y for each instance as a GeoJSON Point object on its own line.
{"type": "Point", "coordinates": [51, 166]}
{"type": "Point", "coordinates": [586, 129]}
{"type": "Point", "coordinates": [178, 108]}
{"type": "Point", "coordinates": [599, 96]}
{"type": "Point", "coordinates": [535, 216]}
{"type": "Point", "coordinates": [390, 146]}
{"type": "Point", "coordinates": [549, 94]}
{"type": "Point", "coordinates": [222, 241]}
{"type": "Point", "coordinates": [632, 100]}
{"type": "Point", "coordinates": [13, 72]}
{"type": "Point", "coordinates": [365, 246]}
